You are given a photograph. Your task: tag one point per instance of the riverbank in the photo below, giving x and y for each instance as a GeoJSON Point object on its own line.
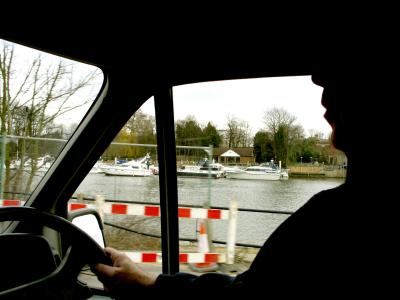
{"type": "Point", "coordinates": [319, 171]}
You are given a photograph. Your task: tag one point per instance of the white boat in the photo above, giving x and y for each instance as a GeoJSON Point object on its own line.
{"type": "Point", "coordinates": [97, 168]}
{"type": "Point", "coordinates": [265, 171]}
{"type": "Point", "coordinates": [205, 170]}
{"type": "Point", "coordinates": [137, 168]}
{"type": "Point", "coordinates": [42, 164]}
{"type": "Point", "coordinates": [284, 174]}
{"type": "Point", "coordinates": [256, 172]}
{"type": "Point", "coordinates": [232, 169]}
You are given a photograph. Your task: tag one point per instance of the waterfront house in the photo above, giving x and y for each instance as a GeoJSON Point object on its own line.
{"type": "Point", "coordinates": [234, 156]}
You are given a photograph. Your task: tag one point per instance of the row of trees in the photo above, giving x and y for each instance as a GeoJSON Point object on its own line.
{"type": "Point", "coordinates": [282, 140]}
{"type": "Point", "coordinates": [140, 129]}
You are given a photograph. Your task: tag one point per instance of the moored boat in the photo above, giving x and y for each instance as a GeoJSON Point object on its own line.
{"type": "Point", "coordinates": [137, 168]}
{"type": "Point", "coordinates": [256, 172]}
{"type": "Point", "coordinates": [265, 171]}
{"type": "Point", "coordinates": [205, 170]}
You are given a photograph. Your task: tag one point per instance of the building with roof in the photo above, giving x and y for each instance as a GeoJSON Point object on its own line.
{"type": "Point", "coordinates": [234, 156]}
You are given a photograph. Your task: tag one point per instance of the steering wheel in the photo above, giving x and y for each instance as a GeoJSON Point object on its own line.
{"type": "Point", "coordinates": [82, 250]}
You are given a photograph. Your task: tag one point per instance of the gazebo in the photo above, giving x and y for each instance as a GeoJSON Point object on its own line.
{"type": "Point", "coordinates": [230, 157]}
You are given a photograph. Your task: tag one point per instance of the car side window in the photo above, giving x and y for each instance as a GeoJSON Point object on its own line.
{"type": "Point", "coordinates": [249, 153]}
{"type": "Point", "coordinates": [43, 99]}
{"type": "Point", "coordinates": [123, 186]}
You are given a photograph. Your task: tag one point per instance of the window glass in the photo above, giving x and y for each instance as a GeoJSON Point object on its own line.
{"type": "Point", "coordinates": [223, 129]}
{"type": "Point", "coordinates": [249, 153]}
{"type": "Point", "coordinates": [124, 187]}
{"type": "Point", "coordinates": [43, 99]}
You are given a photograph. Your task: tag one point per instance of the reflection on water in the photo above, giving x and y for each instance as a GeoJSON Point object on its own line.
{"type": "Point", "coordinates": [252, 228]}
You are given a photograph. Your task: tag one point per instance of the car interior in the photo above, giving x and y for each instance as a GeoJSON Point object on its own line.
{"type": "Point", "coordinates": [148, 66]}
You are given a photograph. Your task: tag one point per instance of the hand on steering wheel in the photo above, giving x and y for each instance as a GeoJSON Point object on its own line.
{"type": "Point", "coordinates": [82, 249]}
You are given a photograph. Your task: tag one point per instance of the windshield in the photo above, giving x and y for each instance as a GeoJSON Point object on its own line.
{"type": "Point", "coordinates": [43, 99]}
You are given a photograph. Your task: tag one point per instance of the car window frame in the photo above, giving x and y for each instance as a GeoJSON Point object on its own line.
{"type": "Point", "coordinates": [166, 150]}
{"type": "Point", "coordinates": [163, 100]}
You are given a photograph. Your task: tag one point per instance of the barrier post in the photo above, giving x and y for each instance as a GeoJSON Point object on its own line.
{"type": "Point", "coordinates": [100, 206]}
{"type": "Point", "coordinates": [231, 239]}
{"type": "Point", "coordinates": [2, 165]}
{"type": "Point", "coordinates": [207, 204]}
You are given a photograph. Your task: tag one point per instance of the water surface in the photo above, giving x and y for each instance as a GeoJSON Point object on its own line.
{"type": "Point", "coordinates": [252, 227]}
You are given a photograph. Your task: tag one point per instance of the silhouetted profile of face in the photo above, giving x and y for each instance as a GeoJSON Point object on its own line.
{"type": "Point", "coordinates": [340, 97]}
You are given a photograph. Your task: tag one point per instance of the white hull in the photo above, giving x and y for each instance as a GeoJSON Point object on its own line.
{"type": "Point", "coordinates": [257, 173]}
{"type": "Point", "coordinates": [215, 171]}
{"type": "Point", "coordinates": [136, 168]}
{"type": "Point", "coordinates": [143, 173]}
{"type": "Point", "coordinates": [248, 175]}
{"type": "Point", "coordinates": [200, 173]}
{"type": "Point", "coordinates": [116, 171]}
{"type": "Point", "coordinates": [123, 171]}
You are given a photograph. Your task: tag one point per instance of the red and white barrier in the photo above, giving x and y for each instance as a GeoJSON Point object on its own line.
{"type": "Point", "coordinates": [153, 210]}
{"type": "Point", "coordinates": [6, 202]}
{"type": "Point", "coordinates": [156, 257]}
{"type": "Point", "coordinates": [139, 210]}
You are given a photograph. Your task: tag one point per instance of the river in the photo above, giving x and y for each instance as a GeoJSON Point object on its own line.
{"type": "Point", "coordinates": [252, 227]}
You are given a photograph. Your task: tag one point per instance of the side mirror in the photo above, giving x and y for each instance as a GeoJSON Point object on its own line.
{"type": "Point", "coordinates": [89, 221]}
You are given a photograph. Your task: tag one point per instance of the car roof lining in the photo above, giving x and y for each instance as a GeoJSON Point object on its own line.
{"type": "Point", "coordinates": [180, 61]}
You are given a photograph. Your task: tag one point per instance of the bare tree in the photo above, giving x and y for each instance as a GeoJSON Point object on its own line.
{"type": "Point", "coordinates": [33, 96]}
{"type": "Point", "coordinates": [280, 123]}
{"type": "Point", "coordinates": [277, 117]}
{"type": "Point", "coordinates": [316, 133]}
{"type": "Point", "coordinates": [238, 133]}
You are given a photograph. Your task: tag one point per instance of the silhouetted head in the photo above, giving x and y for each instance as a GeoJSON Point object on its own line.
{"type": "Point", "coordinates": [360, 96]}
{"type": "Point", "coordinates": [351, 98]}
{"type": "Point", "coordinates": [335, 98]}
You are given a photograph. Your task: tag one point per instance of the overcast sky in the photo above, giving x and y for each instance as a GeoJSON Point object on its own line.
{"type": "Point", "coordinates": [248, 100]}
